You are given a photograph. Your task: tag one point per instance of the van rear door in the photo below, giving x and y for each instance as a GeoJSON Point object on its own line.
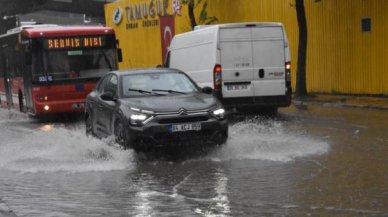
{"type": "Point", "coordinates": [253, 61]}
{"type": "Point", "coordinates": [268, 61]}
{"type": "Point", "coordinates": [236, 62]}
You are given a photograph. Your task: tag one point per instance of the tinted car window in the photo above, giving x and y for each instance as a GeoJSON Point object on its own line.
{"type": "Point", "coordinates": [111, 85]}
{"type": "Point", "coordinates": [101, 85]}
{"type": "Point", "coordinates": [163, 81]}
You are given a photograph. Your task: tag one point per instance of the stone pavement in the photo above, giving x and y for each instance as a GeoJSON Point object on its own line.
{"type": "Point", "coordinates": [346, 101]}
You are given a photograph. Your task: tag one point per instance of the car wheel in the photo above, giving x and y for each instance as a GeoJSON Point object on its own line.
{"type": "Point", "coordinates": [121, 135]}
{"type": "Point", "coordinates": [89, 125]}
{"type": "Point", "coordinates": [221, 138]}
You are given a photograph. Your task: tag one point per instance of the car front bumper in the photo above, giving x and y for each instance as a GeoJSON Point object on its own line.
{"type": "Point", "coordinates": [156, 134]}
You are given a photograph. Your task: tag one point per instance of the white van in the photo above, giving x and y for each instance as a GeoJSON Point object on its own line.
{"type": "Point", "coordinates": [247, 64]}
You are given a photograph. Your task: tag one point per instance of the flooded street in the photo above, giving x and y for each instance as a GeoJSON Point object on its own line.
{"type": "Point", "coordinates": [312, 161]}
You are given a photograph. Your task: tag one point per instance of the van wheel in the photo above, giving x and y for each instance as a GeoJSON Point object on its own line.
{"type": "Point", "coordinates": [272, 111]}
{"type": "Point", "coordinates": [121, 135]}
{"type": "Point", "coordinates": [21, 102]}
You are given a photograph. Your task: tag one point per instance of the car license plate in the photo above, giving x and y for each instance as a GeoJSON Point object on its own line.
{"type": "Point", "coordinates": [184, 127]}
{"type": "Point", "coordinates": [237, 86]}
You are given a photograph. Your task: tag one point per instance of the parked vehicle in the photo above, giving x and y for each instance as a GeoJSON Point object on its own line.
{"type": "Point", "coordinates": [154, 107]}
{"type": "Point", "coordinates": [247, 64]}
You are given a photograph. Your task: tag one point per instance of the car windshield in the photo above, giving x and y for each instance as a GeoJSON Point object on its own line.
{"type": "Point", "coordinates": [165, 83]}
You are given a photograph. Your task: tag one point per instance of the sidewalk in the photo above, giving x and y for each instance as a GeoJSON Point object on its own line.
{"type": "Point", "coordinates": [346, 101]}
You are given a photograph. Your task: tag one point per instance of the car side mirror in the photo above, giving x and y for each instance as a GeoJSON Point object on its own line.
{"type": "Point", "coordinates": [207, 90]}
{"type": "Point", "coordinates": [107, 96]}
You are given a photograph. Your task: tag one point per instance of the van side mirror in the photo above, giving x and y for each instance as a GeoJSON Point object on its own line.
{"type": "Point", "coordinates": [119, 55]}
{"type": "Point", "coordinates": [167, 60]}
{"type": "Point", "coordinates": [207, 90]}
{"type": "Point", "coordinates": [107, 96]}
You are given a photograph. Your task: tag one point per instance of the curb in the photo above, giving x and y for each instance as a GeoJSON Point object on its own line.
{"type": "Point", "coordinates": [343, 102]}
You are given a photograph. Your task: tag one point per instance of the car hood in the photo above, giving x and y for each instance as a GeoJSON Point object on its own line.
{"type": "Point", "coordinates": [172, 102]}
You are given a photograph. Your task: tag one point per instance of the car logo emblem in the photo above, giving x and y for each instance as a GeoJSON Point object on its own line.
{"type": "Point", "coordinates": [182, 111]}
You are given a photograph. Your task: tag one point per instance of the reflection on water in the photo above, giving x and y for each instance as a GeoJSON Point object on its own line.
{"type": "Point", "coordinates": [181, 189]}
{"type": "Point", "coordinates": [46, 127]}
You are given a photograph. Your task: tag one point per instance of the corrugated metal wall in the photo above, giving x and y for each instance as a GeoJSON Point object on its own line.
{"type": "Point", "coordinates": [341, 58]}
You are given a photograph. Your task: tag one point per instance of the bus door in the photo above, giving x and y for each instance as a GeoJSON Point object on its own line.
{"type": "Point", "coordinates": [7, 82]}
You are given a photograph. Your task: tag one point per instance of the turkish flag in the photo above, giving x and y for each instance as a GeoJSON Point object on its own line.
{"type": "Point", "coordinates": [167, 31]}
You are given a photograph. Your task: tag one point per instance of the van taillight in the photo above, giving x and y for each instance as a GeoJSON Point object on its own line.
{"type": "Point", "coordinates": [288, 71]}
{"type": "Point", "coordinates": [217, 79]}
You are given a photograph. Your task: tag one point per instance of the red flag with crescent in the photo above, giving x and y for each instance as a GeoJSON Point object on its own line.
{"type": "Point", "coordinates": [167, 31]}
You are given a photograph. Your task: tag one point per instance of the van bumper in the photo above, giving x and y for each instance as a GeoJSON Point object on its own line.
{"type": "Point", "coordinates": [259, 101]}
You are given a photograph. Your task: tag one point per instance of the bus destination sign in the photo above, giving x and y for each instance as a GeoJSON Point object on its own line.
{"type": "Point", "coordinates": [74, 42]}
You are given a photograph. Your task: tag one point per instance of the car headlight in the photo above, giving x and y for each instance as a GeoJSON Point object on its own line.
{"type": "Point", "coordinates": [137, 119]}
{"type": "Point", "coordinates": [140, 118]}
{"type": "Point", "coordinates": [219, 113]}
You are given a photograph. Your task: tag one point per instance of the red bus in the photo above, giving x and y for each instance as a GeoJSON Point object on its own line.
{"type": "Point", "coordinates": [46, 69]}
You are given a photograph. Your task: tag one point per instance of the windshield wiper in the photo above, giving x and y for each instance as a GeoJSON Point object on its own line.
{"type": "Point", "coordinates": [169, 91]}
{"type": "Point", "coordinates": [144, 91]}
{"type": "Point", "coordinates": [49, 66]}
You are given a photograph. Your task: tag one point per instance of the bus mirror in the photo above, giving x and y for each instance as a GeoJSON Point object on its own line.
{"type": "Point", "coordinates": [120, 55]}
{"type": "Point", "coordinates": [28, 58]}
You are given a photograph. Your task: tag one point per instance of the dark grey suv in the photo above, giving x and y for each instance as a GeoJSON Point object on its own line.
{"type": "Point", "coordinates": [154, 107]}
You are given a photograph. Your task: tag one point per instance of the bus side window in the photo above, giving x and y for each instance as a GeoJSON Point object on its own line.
{"type": "Point", "coordinates": [28, 58]}
{"type": "Point", "coordinates": [2, 69]}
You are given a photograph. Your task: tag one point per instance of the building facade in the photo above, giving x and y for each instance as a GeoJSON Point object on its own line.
{"type": "Point", "coordinates": [346, 39]}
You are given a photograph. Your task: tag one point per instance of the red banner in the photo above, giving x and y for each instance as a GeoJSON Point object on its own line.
{"type": "Point", "coordinates": [167, 31]}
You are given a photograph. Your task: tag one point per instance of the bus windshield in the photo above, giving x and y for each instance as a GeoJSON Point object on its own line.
{"type": "Point", "coordinates": [56, 65]}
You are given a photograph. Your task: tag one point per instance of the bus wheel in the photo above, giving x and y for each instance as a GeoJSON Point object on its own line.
{"type": "Point", "coordinates": [21, 102]}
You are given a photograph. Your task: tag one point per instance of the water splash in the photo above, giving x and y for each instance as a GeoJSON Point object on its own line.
{"type": "Point", "coordinates": [267, 139]}
{"type": "Point", "coordinates": [61, 149]}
